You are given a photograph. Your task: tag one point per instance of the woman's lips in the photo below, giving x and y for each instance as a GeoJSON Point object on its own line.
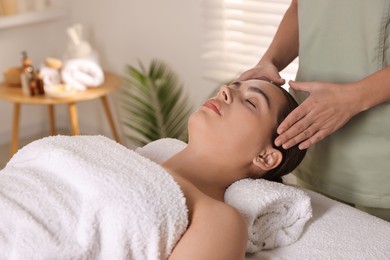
{"type": "Point", "coordinates": [210, 104]}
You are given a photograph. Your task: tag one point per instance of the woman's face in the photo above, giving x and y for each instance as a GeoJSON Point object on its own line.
{"type": "Point", "coordinates": [238, 122]}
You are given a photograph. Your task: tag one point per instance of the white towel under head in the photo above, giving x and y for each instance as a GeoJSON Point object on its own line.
{"type": "Point", "coordinates": [275, 213]}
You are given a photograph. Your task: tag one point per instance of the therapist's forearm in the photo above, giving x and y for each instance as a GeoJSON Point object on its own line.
{"type": "Point", "coordinates": [373, 89]}
{"type": "Point", "coordinates": [284, 47]}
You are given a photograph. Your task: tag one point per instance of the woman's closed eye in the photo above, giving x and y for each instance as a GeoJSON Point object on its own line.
{"type": "Point", "coordinates": [251, 103]}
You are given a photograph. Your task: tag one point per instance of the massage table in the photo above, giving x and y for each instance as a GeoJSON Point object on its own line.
{"type": "Point", "coordinates": [81, 188]}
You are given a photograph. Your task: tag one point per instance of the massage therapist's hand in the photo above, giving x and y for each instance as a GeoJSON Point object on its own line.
{"type": "Point", "coordinates": [263, 71]}
{"type": "Point", "coordinates": [328, 107]}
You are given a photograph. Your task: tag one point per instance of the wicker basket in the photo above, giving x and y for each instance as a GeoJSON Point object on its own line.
{"type": "Point", "coordinates": [12, 76]}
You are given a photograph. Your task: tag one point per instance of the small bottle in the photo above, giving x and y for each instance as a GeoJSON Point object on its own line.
{"type": "Point", "coordinates": [27, 76]}
{"type": "Point", "coordinates": [26, 62]}
{"type": "Point", "coordinates": [40, 84]}
{"type": "Point", "coordinates": [33, 87]}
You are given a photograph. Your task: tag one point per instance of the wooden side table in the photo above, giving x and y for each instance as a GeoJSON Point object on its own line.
{"type": "Point", "coordinates": [16, 96]}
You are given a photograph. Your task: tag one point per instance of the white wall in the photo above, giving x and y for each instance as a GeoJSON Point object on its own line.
{"type": "Point", "coordinates": [123, 32]}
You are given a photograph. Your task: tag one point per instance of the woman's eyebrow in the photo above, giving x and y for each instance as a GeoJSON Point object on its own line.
{"type": "Point", "coordinates": [237, 84]}
{"type": "Point", "coordinates": [262, 93]}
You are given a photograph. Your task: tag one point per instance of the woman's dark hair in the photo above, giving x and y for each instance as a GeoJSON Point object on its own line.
{"type": "Point", "coordinates": [292, 156]}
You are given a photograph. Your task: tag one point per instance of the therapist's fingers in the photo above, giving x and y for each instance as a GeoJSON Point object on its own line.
{"type": "Point", "coordinates": [306, 138]}
{"type": "Point", "coordinates": [309, 123]}
{"type": "Point", "coordinates": [300, 112]}
{"type": "Point", "coordinates": [265, 72]}
{"type": "Point", "coordinates": [305, 132]}
{"type": "Point", "coordinates": [296, 115]}
{"type": "Point", "coordinates": [300, 125]}
{"type": "Point", "coordinates": [325, 110]}
{"type": "Point", "coordinates": [313, 139]}
{"type": "Point", "coordinates": [295, 129]}
{"type": "Point", "coordinates": [302, 86]}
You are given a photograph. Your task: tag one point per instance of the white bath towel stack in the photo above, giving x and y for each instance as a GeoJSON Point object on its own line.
{"type": "Point", "coordinates": [275, 213]}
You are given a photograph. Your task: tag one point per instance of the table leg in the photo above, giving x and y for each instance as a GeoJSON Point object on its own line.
{"type": "Point", "coordinates": [53, 129]}
{"type": "Point", "coordinates": [109, 117]}
{"type": "Point", "coordinates": [15, 130]}
{"type": "Point", "coordinates": [73, 118]}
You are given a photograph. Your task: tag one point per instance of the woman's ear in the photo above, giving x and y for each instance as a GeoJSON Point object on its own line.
{"type": "Point", "coordinates": [268, 160]}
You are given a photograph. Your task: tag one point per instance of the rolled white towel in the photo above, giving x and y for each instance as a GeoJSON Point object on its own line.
{"type": "Point", "coordinates": [50, 76]}
{"type": "Point", "coordinates": [275, 213]}
{"type": "Point", "coordinates": [82, 73]}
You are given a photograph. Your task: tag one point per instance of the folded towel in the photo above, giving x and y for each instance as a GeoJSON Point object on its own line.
{"type": "Point", "coordinates": [50, 76]}
{"type": "Point", "coordinates": [87, 197]}
{"type": "Point", "coordinates": [275, 213]}
{"type": "Point", "coordinates": [82, 73]}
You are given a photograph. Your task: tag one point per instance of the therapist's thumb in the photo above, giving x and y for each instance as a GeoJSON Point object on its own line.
{"type": "Point", "coordinates": [277, 80]}
{"type": "Point", "coordinates": [300, 86]}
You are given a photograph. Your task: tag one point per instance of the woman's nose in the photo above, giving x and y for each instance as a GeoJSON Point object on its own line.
{"type": "Point", "coordinates": [225, 94]}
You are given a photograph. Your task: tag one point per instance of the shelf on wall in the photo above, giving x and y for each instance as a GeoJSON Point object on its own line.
{"type": "Point", "coordinates": [50, 13]}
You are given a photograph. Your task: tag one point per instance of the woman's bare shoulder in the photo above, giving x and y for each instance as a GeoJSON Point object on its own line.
{"type": "Point", "coordinates": [222, 214]}
{"type": "Point", "coordinates": [216, 231]}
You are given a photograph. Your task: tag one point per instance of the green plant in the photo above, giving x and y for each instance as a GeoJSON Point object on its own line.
{"type": "Point", "coordinates": [153, 104]}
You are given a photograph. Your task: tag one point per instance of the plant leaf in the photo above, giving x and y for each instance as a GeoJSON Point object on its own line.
{"type": "Point", "coordinates": [153, 104]}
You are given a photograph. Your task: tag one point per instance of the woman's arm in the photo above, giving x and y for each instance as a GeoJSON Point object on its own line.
{"type": "Point", "coordinates": [217, 231]}
{"type": "Point", "coordinates": [282, 50]}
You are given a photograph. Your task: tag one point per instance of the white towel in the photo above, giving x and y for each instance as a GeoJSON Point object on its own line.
{"type": "Point", "coordinates": [82, 73]}
{"type": "Point", "coordinates": [50, 76]}
{"type": "Point", "coordinates": [275, 213]}
{"type": "Point", "coordinates": [87, 197]}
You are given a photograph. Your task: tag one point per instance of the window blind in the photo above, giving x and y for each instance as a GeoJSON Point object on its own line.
{"type": "Point", "coordinates": [238, 32]}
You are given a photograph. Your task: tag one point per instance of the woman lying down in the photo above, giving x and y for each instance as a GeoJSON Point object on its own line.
{"type": "Point", "coordinates": [88, 197]}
